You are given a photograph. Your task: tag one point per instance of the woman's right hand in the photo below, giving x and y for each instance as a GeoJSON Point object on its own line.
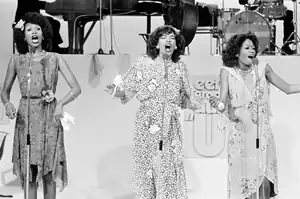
{"type": "Point", "coordinates": [214, 101]}
{"type": "Point", "coordinates": [10, 110]}
{"type": "Point", "coordinates": [110, 88]}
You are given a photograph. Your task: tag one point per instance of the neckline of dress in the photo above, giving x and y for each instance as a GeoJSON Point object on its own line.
{"type": "Point", "coordinates": [43, 53]}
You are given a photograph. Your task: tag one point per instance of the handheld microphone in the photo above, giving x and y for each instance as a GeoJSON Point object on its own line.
{"type": "Point", "coordinates": [255, 64]}
{"type": "Point", "coordinates": [165, 57]}
{"type": "Point", "coordinates": [31, 52]}
{"type": "Point", "coordinates": [254, 60]}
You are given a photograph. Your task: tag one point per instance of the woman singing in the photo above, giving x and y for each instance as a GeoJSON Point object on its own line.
{"type": "Point", "coordinates": [160, 82]}
{"type": "Point", "coordinates": [37, 72]}
{"type": "Point", "coordinates": [244, 87]}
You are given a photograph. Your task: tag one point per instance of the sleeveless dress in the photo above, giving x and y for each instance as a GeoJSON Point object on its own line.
{"type": "Point", "coordinates": [158, 118]}
{"type": "Point", "coordinates": [47, 151]}
{"type": "Point", "coordinates": [239, 122]}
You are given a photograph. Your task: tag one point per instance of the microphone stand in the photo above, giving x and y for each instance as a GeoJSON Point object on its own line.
{"type": "Point", "coordinates": [257, 129]}
{"type": "Point", "coordinates": [162, 129]}
{"type": "Point", "coordinates": [28, 130]}
{"type": "Point", "coordinates": [100, 51]}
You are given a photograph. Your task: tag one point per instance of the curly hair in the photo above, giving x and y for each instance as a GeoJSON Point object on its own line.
{"type": "Point", "coordinates": [38, 19]}
{"type": "Point", "coordinates": [233, 48]}
{"type": "Point", "coordinates": [153, 38]}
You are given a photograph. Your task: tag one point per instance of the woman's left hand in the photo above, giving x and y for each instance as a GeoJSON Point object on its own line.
{"type": "Point", "coordinates": [58, 113]}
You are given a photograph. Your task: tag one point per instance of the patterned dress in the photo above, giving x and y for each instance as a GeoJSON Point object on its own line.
{"type": "Point", "coordinates": [244, 166]}
{"type": "Point", "coordinates": [157, 173]}
{"type": "Point", "coordinates": [47, 152]}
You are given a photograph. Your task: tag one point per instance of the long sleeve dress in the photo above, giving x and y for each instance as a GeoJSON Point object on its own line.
{"type": "Point", "coordinates": [248, 165]}
{"type": "Point", "coordinates": [157, 119]}
{"type": "Point", "coordinates": [47, 151]}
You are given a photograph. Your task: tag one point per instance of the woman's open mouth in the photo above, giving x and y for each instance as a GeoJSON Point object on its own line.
{"type": "Point", "coordinates": [168, 47]}
{"type": "Point", "coordinates": [35, 39]}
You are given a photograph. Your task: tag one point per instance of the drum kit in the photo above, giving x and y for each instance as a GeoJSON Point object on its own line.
{"type": "Point", "coordinates": [258, 17]}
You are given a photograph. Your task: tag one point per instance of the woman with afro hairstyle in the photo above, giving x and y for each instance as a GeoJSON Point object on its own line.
{"type": "Point", "coordinates": [37, 72]}
{"type": "Point", "coordinates": [244, 88]}
{"type": "Point", "coordinates": [160, 82]}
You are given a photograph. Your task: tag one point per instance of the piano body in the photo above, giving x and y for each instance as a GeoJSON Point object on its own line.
{"type": "Point", "coordinates": [70, 10]}
{"type": "Point", "coordinates": [79, 12]}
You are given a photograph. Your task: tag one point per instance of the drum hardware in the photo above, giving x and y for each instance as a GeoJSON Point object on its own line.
{"type": "Point", "coordinates": [249, 21]}
{"type": "Point", "coordinates": [271, 9]}
{"type": "Point", "coordinates": [295, 32]}
{"type": "Point", "coordinates": [272, 47]}
{"type": "Point", "coordinates": [208, 22]}
{"type": "Point", "coordinates": [224, 15]}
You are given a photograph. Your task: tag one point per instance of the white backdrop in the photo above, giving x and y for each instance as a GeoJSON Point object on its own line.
{"type": "Point", "coordinates": [99, 144]}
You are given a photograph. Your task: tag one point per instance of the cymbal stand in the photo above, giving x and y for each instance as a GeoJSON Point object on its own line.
{"type": "Point", "coordinates": [295, 32]}
{"type": "Point", "coordinates": [100, 51]}
{"type": "Point", "coordinates": [223, 27]}
{"type": "Point", "coordinates": [272, 46]}
{"type": "Point", "coordinates": [111, 51]}
{"type": "Point", "coordinates": [217, 33]}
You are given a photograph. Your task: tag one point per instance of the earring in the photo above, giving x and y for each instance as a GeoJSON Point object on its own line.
{"type": "Point", "coordinates": [175, 47]}
{"type": "Point", "coordinates": [157, 47]}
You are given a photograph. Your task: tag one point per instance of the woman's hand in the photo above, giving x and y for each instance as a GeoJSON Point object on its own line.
{"type": "Point", "coordinates": [58, 113]}
{"type": "Point", "coordinates": [10, 110]}
{"type": "Point", "coordinates": [110, 88]}
{"type": "Point", "coordinates": [194, 105]}
{"type": "Point", "coordinates": [213, 101]}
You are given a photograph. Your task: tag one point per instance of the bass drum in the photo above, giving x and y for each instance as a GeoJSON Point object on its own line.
{"type": "Point", "coordinates": [249, 21]}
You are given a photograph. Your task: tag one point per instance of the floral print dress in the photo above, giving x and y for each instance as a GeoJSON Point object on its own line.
{"type": "Point", "coordinates": [240, 122]}
{"type": "Point", "coordinates": [47, 151]}
{"type": "Point", "coordinates": [157, 143]}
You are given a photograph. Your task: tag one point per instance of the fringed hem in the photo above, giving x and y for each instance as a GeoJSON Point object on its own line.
{"type": "Point", "coordinates": [273, 191]}
{"type": "Point", "coordinates": [59, 175]}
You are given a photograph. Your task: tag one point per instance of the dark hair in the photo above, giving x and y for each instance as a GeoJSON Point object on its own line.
{"type": "Point", "coordinates": [153, 38]}
{"type": "Point", "coordinates": [38, 19]}
{"type": "Point", "coordinates": [233, 47]}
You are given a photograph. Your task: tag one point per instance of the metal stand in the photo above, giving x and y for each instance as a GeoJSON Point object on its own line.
{"type": "Point", "coordinates": [220, 46]}
{"type": "Point", "coordinates": [28, 131]}
{"type": "Point", "coordinates": [159, 170]}
{"type": "Point", "coordinates": [295, 32]}
{"type": "Point", "coordinates": [1, 154]}
{"type": "Point", "coordinates": [14, 43]}
{"type": "Point", "coordinates": [100, 51]}
{"type": "Point", "coordinates": [257, 131]}
{"type": "Point", "coordinates": [272, 46]}
{"type": "Point", "coordinates": [111, 52]}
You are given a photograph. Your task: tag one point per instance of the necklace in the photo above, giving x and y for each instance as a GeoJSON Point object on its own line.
{"type": "Point", "coordinates": [244, 71]}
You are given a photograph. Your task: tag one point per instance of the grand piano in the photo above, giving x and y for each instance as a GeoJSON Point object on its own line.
{"type": "Point", "coordinates": [79, 12]}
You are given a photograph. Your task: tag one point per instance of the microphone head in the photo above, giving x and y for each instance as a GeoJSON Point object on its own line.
{"type": "Point", "coordinates": [254, 59]}
{"type": "Point", "coordinates": [165, 56]}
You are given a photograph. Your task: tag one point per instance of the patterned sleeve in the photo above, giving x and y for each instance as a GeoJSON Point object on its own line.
{"type": "Point", "coordinates": [186, 89]}
{"type": "Point", "coordinates": [132, 80]}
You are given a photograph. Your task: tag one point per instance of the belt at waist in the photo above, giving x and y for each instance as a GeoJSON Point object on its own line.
{"type": "Point", "coordinates": [158, 102]}
{"type": "Point", "coordinates": [31, 97]}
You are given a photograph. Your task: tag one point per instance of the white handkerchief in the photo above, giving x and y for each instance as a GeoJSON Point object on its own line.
{"type": "Point", "coordinates": [67, 120]}
{"type": "Point", "coordinates": [118, 81]}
